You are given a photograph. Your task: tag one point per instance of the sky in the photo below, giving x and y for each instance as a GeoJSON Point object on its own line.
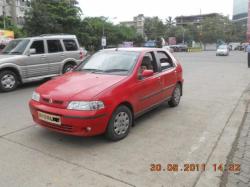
{"type": "Point", "coordinates": [125, 10]}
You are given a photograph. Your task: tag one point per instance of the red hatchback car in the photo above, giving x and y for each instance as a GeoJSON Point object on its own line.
{"type": "Point", "coordinates": [107, 91]}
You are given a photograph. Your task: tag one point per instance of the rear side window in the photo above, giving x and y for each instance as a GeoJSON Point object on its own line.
{"type": "Point", "coordinates": [38, 46]}
{"type": "Point", "coordinates": [165, 60]}
{"type": "Point", "coordinates": [70, 45]}
{"type": "Point", "coordinates": [54, 46]}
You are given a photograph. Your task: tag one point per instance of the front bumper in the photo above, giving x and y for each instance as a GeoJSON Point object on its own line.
{"type": "Point", "coordinates": [78, 123]}
{"type": "Point", "coordinates": [222, 53]}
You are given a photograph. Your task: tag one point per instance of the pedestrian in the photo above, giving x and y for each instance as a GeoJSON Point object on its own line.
{"type": "Point", "coordinates": [248, 55]}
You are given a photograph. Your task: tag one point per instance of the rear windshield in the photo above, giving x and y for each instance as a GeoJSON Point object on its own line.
{"type": "Point", "coordinates": [110, 62]}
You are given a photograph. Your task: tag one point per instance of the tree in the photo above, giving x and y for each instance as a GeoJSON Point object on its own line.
{"type": "Point", "coordinates": [91, 28]}
{"type": "Point", "coordinates": [214, 29]}
{"type": "Point", "coordinates": [154, 28]}
{"type": "Point", "coordinates": [170, 22]}
{"type": "Point", "coordinates": [46, 16]}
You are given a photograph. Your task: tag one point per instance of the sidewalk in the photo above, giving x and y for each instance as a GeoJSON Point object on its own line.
{"type": "Point", "coordinates": [240, 154]}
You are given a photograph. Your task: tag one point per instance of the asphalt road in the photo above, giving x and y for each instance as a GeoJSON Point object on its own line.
{"type": "Point", "coordinates": [190, 133]}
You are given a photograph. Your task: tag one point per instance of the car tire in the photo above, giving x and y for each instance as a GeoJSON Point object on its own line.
{"type": "Point", "coordinates": [68, 67]}
{"type": "Point", "coordinates": [8, 81]}
{"type": "Point", "coordinates": [176, 96]}
{"type": "Point", "coordinates": [119, 124]}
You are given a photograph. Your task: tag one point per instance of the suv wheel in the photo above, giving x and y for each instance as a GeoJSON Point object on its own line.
{"type": "Point", "coordinates": [176, 96]}
{"type": "Point", "coordinates": [68, 67]}
{"type": "Point", "coordinates": [120, 123]}
{"type": "Point", "coordinates": [8, 81]}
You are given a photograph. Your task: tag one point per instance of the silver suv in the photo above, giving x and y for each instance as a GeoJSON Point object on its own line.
{"type": "Point", "coordinates": [29, 59]}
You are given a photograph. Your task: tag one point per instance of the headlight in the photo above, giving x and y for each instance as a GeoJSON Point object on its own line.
{"type": "Point", "coordinates": [85, 105]}
{"type": "Point", "coordinates": [36, 96]}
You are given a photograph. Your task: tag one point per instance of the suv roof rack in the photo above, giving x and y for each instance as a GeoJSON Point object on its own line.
{"type": "Point", "coordinates": [55, 34]}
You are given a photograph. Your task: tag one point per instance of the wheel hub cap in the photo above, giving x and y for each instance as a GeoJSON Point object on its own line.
{"type": "Point", "coordinates": [121, 123]}
{"type": "Point", "coordinates": [177, 95]}
{"type": "Point", "coordinates": [8, 81]}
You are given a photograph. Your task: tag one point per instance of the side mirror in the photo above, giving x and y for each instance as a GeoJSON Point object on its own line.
{"type": "Point", "coordinates": [147, 73]}
{"type": "Point", "coordinates": [32, 51]}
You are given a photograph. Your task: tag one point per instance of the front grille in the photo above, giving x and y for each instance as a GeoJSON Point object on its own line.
{"type": "Point", "coordinates": [47, 100]}
{"type": "Point", "coordinates": [65, 128]}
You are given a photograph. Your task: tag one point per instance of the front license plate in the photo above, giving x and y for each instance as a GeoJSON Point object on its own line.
{"type": "Point", "coordinates": [49, 118]}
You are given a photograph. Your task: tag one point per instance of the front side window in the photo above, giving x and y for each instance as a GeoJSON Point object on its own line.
{"type": "Point", "coordinates": [16, 47]}
{"type": "Point", "coordinates": [110, 62]}
{"type": "Point", "coordinates": [149, 62]}
{"type": "Point", "coordinates": [70, 45]}
{"type": "Point", "coordinates": [38, 46]}
{"type": "Point", "coordinates": [54, 46]}
{"type": "Point", "coordinates": [165, 60]}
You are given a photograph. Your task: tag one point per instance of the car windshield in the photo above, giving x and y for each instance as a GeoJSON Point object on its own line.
{"type": "Point", "coordinates": [223, 47]}
{"type": "Point", "coordinates": [110, 62]}
{"type": "Point", "coordinates": [16, 47]}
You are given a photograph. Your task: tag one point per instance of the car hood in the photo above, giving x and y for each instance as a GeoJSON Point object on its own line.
{"type": "Point", "coordinates": [221, 50]}
{"type": "Point", "coordinates": [78, 86]}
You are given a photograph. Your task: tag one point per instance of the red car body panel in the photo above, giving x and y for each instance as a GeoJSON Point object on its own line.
{"type": "Point", "coordinates": [112, 90]}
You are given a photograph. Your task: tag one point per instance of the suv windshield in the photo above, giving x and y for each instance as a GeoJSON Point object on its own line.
{"type": "Point", "coordinates": [16, 47]}
{"type": "Point", "coordinates": [110, 62]}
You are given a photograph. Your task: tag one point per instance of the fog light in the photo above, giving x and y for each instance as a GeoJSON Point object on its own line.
{"type": "Point", "coordinates": [88, 129]}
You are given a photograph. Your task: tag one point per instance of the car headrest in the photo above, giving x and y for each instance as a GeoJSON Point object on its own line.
{"type": "Point", "coordinates": [146, 61]}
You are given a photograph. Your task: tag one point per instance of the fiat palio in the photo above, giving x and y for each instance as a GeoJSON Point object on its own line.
{"type": "Point", "coordinates": [107, 91]}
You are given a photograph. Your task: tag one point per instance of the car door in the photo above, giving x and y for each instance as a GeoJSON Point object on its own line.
{"type": "Point", "coordinates": [168, 73]}
{"type": "Point", "coordinates": [36, 62]}
{"type": "Point", "coordinates": [55, 56]}
{"type": "Point", "coordinates": [148, 90]}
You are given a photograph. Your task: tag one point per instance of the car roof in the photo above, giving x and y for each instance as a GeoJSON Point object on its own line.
{"type": "Point", "coordinates": [134, 49]}
{"type": "Point", "coordinates": [51, 36]}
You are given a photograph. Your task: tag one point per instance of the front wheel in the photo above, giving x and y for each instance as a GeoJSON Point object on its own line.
{"type": "Point", "coordinates": [176, 96]}
{"type": "Point", "coordinates": [8, 81]}
{"type": "Point", "coordinates": [120, 123]}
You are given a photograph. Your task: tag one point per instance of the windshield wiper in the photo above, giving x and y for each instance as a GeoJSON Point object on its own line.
{"type": "Point", "coordinates": [15, 52]}
{"type": "Point", "coordinates": [93, 70]}
{"type": "Point", "coordinates": [115, 70]}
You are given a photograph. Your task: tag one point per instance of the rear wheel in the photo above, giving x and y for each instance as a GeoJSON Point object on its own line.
{"type": "Point", "coordinates": [8, 81]}
{"type": "Point", "coordinates": [68, 67]}
{"type": "Point", "coordinates": [176, 96]}
{"type": "Point", "coordinates": [120, 123]}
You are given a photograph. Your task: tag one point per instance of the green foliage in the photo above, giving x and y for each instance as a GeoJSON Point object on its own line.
{"type": "Point", "coordinates": [19, 32]}
{"type": "Point", "coordinates": [64, 16]}
{"type": "Point", "coordinates": [48, 16]}
{"type": "Point", "coordinates": [154, 28]}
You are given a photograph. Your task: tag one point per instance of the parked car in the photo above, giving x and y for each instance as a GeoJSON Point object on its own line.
{"type": "Point", "coordinates": [29, 59]}
{"type": "Point", "coordinates": [107, 91]}
{"type": "Point", "coordinates": [168, 48]}
{"type": "Point", "coordinates": [222, 50]}
{"type": "Point", "coordinates": [179, 48]}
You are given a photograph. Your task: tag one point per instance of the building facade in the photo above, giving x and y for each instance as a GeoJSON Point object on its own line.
{"type": "Point", "coordinates": [240, 10]}
{"type": "Point", "coordinates": [137, 23]}
{"type": "Point", "coordinates": [14, 9]}
{"type": "Point", "coordinates": [194, 19]}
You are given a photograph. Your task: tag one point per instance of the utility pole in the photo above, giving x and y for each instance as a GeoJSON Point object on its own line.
{"type": "Point", "coordinates": [13, 11]}
{"type": "Point", "coordinates": [4, 14]}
